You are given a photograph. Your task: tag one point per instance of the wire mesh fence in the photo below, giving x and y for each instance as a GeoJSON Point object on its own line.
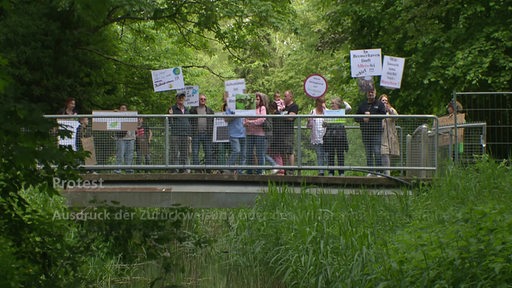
{"type": "Point", "coordinates": [494, 109]}
{"type": "Point", "coordinates": [397, 145]}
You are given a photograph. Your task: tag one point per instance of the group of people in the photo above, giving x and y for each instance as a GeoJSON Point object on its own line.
{"type": "Point", "coordinates": [250, 144]}
{"type": "Point", "coordinates": [127, 142]}
{"type": "Point", "coordinates": [329, 137]}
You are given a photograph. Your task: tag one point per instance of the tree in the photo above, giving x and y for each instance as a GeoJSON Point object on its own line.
{"type": "Point", "coordinates": [448, 45]}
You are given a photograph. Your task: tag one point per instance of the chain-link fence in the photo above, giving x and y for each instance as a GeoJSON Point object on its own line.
{"type": "Point", "coordinates": [349, 145]}
{"type": "Point", "coordinates": [494, 109]}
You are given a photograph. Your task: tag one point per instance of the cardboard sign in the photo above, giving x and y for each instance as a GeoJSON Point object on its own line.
{"type": "Point", "coordinates": [103, 120]}
{"type": "Point", "coordinates": [447, 129]}
{"type": "Point", "coordinates": [88, 145]}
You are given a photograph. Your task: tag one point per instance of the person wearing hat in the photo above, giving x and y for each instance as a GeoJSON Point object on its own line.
{"type": "Point", "coordinates": [180, 131]}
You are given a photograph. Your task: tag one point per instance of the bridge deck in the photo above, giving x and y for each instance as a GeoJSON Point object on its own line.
{"type": "Point", "coordinates": [212, 190]}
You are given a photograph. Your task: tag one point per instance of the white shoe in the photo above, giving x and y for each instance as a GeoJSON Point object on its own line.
{"type": "Point", "coordinates": [274, 171]}
{"type": "Point", "coordinates": [369, 175]}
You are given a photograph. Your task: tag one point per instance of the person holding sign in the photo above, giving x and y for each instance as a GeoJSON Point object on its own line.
{"type": "Point", "coordinates": [389, 146]}
{"type": "Point", "coordinates": [237, 141]}
{"type": "Point", "coordinates": [125, 145]}
{"type": "Point", "coordinates": [317, 133]}
{"type": "Point", "coordinates": [284, 153]}
{"type": "Point", "coordinates": [371, 128]}
{"type": "Point", "coordinates": [180, 133]}
{"type": "Point", "coordinates": [335, 138]}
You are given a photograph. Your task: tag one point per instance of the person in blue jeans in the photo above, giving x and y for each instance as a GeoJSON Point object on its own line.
{"type": "Point", "coordinates": [256, 135]}
{"type": "Point", "coordinates": [237, 141]}
{"type": "Point", "coordinates": [202, 132]}
{"type": "Point", "coordinates": [125, 145]}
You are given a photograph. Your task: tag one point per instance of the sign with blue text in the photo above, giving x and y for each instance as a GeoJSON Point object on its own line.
{"type": "Point", "coordinates": [191, 95]}
{"type": "Point", "coordinates": [167, 79]}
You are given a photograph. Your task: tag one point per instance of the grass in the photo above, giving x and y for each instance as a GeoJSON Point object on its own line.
{"type": "Point", "coordinates": [455, 232]}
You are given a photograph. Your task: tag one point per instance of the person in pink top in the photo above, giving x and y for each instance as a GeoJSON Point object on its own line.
{"type": "Point", "coordinates": [255, 135]}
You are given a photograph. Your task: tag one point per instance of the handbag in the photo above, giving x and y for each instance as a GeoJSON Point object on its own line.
{"type": "Point", "coordinates": [267, 126]}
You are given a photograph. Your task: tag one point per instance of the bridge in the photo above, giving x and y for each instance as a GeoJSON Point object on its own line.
{"type": "Point", "coordinates": [423, 140]}
{"type": "Point", "coordinates": [216, 190]}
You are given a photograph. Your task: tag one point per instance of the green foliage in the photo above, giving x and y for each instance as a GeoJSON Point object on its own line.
{"type": "Point", "coordinates": [455, 232]}
{"type": "Point", "coordinates": [10, 266]}
{"type": "Point", "coordinates": [448, 45]}
{"type": "Point", "coordinates": [460, 232]}
{"type": "Point", "coordinates": [41, 252]}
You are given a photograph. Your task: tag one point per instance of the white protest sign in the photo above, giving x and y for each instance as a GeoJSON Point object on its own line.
{"type": "Point", "coordinates": [315, 86]}
{"type": "Point", "coordinates": [392, 71]}
{"type": "Point", "coordinates": [191, 95]}
{"type": "Point", "coordinates": [167, 79]}
{"type": "Point", "coordinates": [365, 62]}
{"type": "Point", "coordinates": [71, 126]}
{"type": "Point", "coordinates": [234, 87]}
{"type": "Point", "coordinates": [220, 130]}
{"type": "Point", "coordinates": [102, 120]}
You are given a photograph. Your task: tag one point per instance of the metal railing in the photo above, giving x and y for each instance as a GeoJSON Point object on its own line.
{"type": "Point", "coordinates": [418, 144]}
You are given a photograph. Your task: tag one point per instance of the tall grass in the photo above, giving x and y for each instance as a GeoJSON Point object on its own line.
{"type": "Point", "coordinates": [456, 232]}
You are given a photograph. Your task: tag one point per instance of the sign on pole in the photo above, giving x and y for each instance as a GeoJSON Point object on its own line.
{"type": "Point", "coordinates": [365, 63]}
{"type": "Point", "coordinates": [315, 86]}
{"type": "Point", "coordinates": [392, 71]}
{"type": "Point", "coordinates": [167, 79]}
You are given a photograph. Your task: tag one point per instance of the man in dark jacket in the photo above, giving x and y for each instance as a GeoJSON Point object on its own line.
{"type": "Point", "coordinates": [371, 128]}
{"type": "Point", "coordinates": [180, 133]}
{"type": "Point", "coordinates": [202, 132]}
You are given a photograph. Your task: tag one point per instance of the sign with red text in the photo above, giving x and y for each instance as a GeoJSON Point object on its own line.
{"type": "Point", "coordinates": [392, 71]}
{"type": "Point", "coordinates": [315, 86]}
{"type": "Point", "coordinates": [366, 62]}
